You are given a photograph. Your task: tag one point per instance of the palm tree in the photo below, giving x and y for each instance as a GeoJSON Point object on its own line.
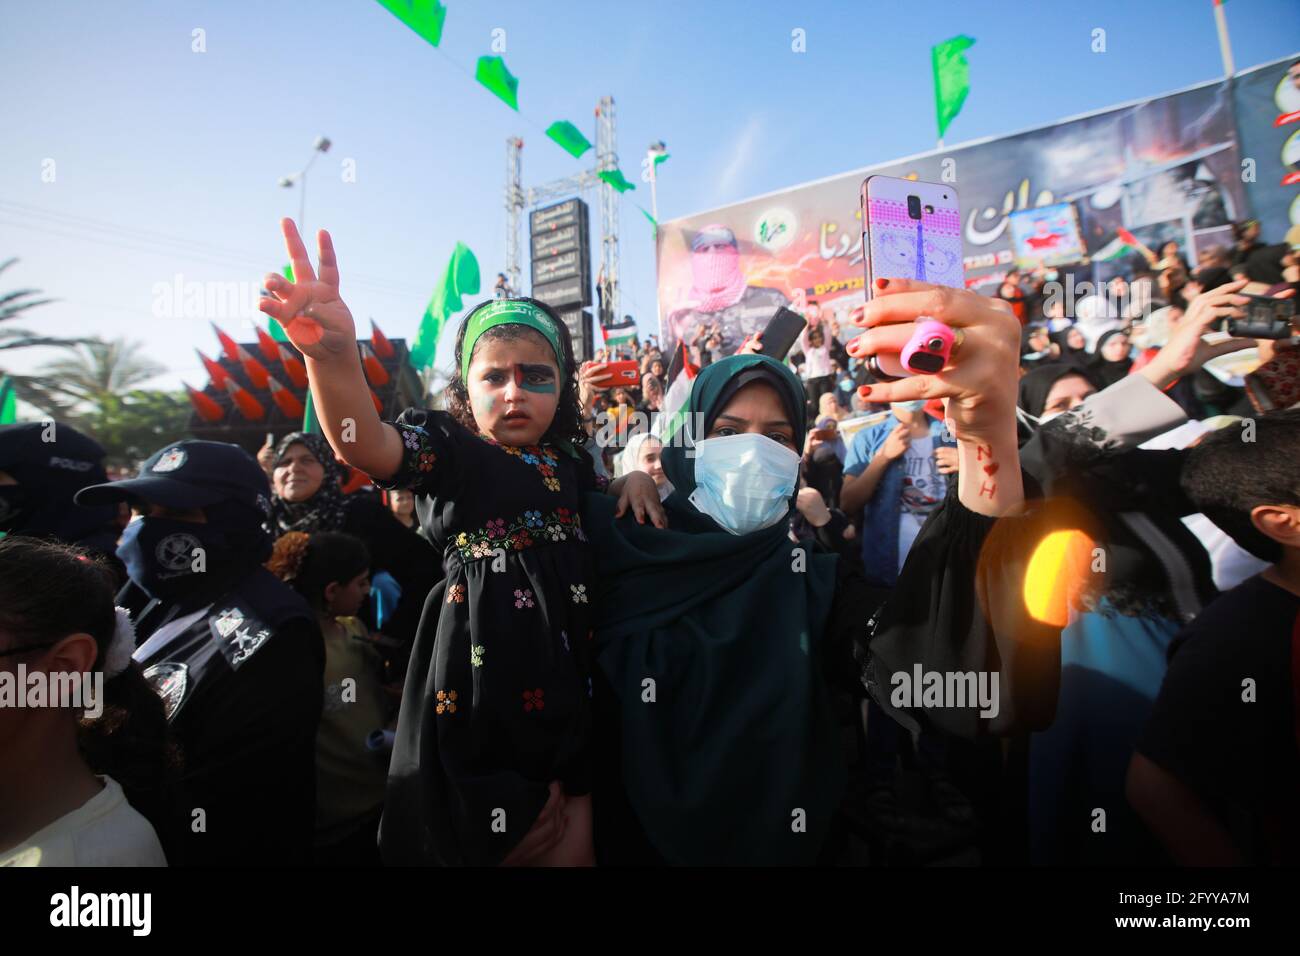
{"type": "Point", "coordinates": [13, 304]}
{"type": "Point", "coordinates": [92, 377]}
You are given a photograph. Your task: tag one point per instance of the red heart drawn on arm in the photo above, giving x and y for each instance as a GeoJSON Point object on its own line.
{"type": "Point", "coordinates": [991, 468]}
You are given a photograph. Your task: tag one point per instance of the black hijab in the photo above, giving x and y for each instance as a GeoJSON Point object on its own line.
{"type": "Point", "coordinates": [323, 511]}
{"type": "Point", "coordinates": [1107, 373]}
{"type": "Point", "coordinates": [1077, 357]}
{"type": "Point", "coordinates": [1036, 385]}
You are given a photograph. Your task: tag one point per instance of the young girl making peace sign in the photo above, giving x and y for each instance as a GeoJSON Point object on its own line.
{"type": "Point", "coordinates": [491, 763]}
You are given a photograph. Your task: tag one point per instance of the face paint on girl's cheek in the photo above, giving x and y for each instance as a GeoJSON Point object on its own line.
{"type": "Point", "coordinates": [521, 379]}
{"type": "Point", "coordinates": [485, 404]}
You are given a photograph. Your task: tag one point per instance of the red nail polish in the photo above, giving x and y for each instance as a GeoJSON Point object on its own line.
{"type": "Point", "coordinates": [864, 390]}
{"type": "Point", "coordinates": [882, 283]}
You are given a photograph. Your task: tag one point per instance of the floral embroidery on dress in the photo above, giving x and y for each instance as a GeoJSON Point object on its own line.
{"type": "Point", "coordinates": [579, 593]}
{"type": "Point", "coordinates": [539, 456]}
{"type": "Point", "coordinates": [524, 598]}
{"type": "Point", "coordinates": [417, 449]}
{"type": "Point", "coordinates": [476, 655]}
{"type": "Point", "coordinates": [523, 532]}
{"type": "Point", "coordinates": [446, 702]}
{"type": "Point", "coordinates": [456, 594]}
{"type": "Point", "coordinates": [533, 700]}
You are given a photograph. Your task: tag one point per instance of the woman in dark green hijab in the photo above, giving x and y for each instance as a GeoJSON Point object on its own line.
{"type": "Point", "coordinates": [711, 645]}
{"type": "Point", "coordinates": [719, 639]}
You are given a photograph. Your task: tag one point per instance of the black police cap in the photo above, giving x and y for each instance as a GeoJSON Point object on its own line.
{"type": "Point", "coordinates": [189, 474]}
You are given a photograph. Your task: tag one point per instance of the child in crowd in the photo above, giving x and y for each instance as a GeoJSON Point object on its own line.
{"type": "Point", "coordinates": [64, 778]}
{"type": "Point", "coordinates": [1216, 775]}
{"type": "Point", "coordinates": [491, 762]}
{"type": "Point", "coordinates": [332, 571]}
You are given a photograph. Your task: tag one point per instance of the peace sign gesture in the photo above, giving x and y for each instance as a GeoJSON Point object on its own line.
{"type": "Point", "coordinates": [309, 309]}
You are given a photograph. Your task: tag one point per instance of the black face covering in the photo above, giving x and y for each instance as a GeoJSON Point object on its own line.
{"type": "Point", "coordinates": [164, 556]}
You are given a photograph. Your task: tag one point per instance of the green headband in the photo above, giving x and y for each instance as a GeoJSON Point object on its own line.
{"type": "Point", "coordinates": [509, 312]}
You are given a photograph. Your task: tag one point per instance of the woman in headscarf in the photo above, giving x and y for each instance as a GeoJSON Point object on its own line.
{"type": "Point", "coordinates": [1048, 391]}
{"type": "Point", "coordinates": [1036, 347]}
{"type": "Point", "coordinates": [1073, 346]}
{"type": "Point", "coordinates": [307, 496]}
{"type": "Point", "coordinates": [718, 639]}
{"type": "Point", "coordinates": [1111, 360]}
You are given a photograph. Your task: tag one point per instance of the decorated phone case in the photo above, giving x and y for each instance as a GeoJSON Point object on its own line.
{"type": "Point", "coordinates": [896, 244]}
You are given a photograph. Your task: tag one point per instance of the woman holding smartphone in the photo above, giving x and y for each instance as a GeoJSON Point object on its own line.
{"type": "Point", "coordinates": [719, 641]}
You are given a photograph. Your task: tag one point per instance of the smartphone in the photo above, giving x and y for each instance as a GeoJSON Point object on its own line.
{"type": "Point", "coordinates": [616, 374]}
{"type": "Point", "coordinates": [910, 230]}
{"type": "Point", "coordinates": [781, 333]}
{"type": "Point", "coordinates": [1266, 318]}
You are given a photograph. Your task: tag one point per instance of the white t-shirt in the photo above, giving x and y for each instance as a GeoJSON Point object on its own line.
{"type": "Point", "coordinates": [103, 831]}
{"type": "Point", "coordinates": [923, 489]}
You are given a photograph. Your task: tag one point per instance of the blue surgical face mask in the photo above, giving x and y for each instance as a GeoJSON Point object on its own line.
{"type": "Point", "coordinates": [915, 406]}
{"type": "Point", "coordinates": [744, 482]}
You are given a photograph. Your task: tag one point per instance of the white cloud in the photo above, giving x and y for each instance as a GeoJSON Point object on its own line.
{"type": "Point", "coordinates": [741, 154]}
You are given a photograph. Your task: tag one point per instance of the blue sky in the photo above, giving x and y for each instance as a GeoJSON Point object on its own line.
{"type": "Point", "coordinates": [166, 161]}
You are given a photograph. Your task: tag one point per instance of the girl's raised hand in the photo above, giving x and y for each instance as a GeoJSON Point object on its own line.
{"type": "Point", "coordinates": [980, 380]}
{"type": "Point", "coordinates": [309, 309]}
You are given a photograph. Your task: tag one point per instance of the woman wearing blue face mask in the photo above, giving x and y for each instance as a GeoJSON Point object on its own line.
{"type": "Point", "coordinates": [719, 640]}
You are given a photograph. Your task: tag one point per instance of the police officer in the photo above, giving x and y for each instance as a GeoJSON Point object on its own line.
{"type": "Point", "coordinates": [235, 654]}
{"type": "Point", "coordinates": [42, 465]}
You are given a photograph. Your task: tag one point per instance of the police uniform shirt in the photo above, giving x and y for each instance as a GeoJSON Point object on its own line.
{"type": "Point", "coordinates": [241, 678]}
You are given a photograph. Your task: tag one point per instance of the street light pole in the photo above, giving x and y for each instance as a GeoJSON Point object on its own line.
{"type": "Point", "coordinates": [321, 145]}
{"type": "Point", "coordinates": [653, 151]}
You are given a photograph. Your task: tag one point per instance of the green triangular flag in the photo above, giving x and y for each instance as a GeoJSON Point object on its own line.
{"type": "Point", "coordinates": [569, 138]}
{"type": "Point", "coordinates": [425, 17]}
{"type": "Point", "coordinates": [615, 178]}
{"type": "Point", "coordinates": [493, 74]}
{"type": "Point", "coordinates": [660, 157]}
{"type": "Point", "coordinates": [461, 278]}
{"type": "Point", "coordinates": [653, 223]}
{"type": "Point", "coordinates": [951, 78]}
{"type": "Point", "coordinates": [8, 402]}
{"type": "Point", "coordinates": [309, 423]}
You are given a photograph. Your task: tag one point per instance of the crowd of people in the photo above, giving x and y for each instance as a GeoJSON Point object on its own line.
{"type": "Point", "coordinates": [577, 619]}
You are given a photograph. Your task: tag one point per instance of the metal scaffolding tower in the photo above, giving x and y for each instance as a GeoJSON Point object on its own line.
{"type": "Point", "coordinates": [519, 200]}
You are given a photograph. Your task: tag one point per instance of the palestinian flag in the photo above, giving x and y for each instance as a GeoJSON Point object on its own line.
{"type": "Point", "coordinates": [619, 333]}
{"type": "Point", "coordinates": [1123, 245]}
{"type": "Point", "coordinates": [681, 376]}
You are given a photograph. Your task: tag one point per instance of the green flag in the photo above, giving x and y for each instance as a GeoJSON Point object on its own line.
{"type": "Point", "coordinates": [460, 279]}
{"type": "Point", "coordinates": [493, 74]}
{"type": "Point", "coordinates": [8, 402]}
{"type": "Point", "coordinates": [951, 78]}
{"type": "Point", "coordinates": [660, 157]}
{"type": "Point", "coordinates": [615, 178]}
{"type": "Point", "coordinates": [570, 139]}
{"type": "Point", "coordinates": [423, 16]}
{"type": "Point", "coordinates": [309, 422]}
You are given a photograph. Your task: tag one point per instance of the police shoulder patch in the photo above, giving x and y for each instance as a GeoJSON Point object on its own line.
{"type": "Point", "coordinates": [239, 634]}
{"type": "Point", "coordinates": [169, 680]}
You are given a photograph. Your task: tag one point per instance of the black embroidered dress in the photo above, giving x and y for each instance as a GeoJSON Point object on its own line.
{"type": "Point", "coordinates": [496, 702]}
